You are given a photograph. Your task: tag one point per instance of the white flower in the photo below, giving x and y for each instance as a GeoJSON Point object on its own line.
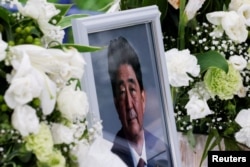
{"type": "Point", "coordinates": [80, 150]}
{"type": "Point", "coordinates": [197, 108]}
{"type": "Point", "coordinates": [51, 33]}
{"type": "Point", "coordinates": [38, 9]}
{"type": "Point", "coordinates": [243, 119]}
{"type": "Point", "coordinates": [244, 12]}
{"type": "Point", "coordinates": [34, 81]}
{"type": "Point", "coordinates": [115, 7]}
{"type": "Point", "coordinates": [24, 86]}
{"type": "Point", "coordinates": [234, 27]}
{"type": "Point", "coordinates": [215, 17]}
{"type": "Point", "coordinates": [236, 4]}
{"type": "Point", "coordinates": [242, 91]}
{"type": "Point", "coordinates": [179, 71]}
{"type": "Point", "coordinates": [73, 104]}
{"type": "Point", "coordinates": [3, 47]}
{"type": "Point", "coordinates": [43, 11]}
{"type": "Point", "coordinates": [232, 24]}
{"type": "Point", "coordinates": [192, 7]}
{"type": "Point", "coordinates": [60, 65]}
{"type": "Point", "coordinates": [200, 91]}
{"type": "Point", "coordinates": [61, 134]}
{"type": "Point", "coordinates": [97, 154]}
{"type": "Point", "coordinates": [238, 62]}
{"type": "Point", "coordinates": [25, 120]}
{"type": "Point", "coordinates": [243, 136]}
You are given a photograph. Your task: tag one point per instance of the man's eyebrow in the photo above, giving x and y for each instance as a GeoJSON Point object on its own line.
{"type": "Point", "coordinates": [130, 80]}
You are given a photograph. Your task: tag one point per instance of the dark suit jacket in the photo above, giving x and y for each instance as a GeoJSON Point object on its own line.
{"type": "Point", "coordinates": [156, 150]}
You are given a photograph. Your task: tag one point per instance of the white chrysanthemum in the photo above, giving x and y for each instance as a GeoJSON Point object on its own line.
{"type": "Point", "coordinates": [179, 71]}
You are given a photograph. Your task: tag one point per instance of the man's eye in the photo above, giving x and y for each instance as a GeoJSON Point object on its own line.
{"type": "Point", "coordinates": [122, 91]}
{"type": "Point", "coordinates": [133, 91]}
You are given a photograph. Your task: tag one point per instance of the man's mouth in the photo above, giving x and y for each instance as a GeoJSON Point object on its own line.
{"type": "Point", "coordinates": [132, 115]}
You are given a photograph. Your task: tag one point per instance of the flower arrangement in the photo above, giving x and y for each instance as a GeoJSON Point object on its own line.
{"type": "Point", "coordinates": [209, 72]}
{"type": "Point", "coordinates": [207, 56]}
{"type": "Point", "coordinates": [42, 107]}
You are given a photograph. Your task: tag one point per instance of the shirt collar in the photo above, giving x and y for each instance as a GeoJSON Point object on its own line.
{"type": "Point", "coordinates": [137, 157]}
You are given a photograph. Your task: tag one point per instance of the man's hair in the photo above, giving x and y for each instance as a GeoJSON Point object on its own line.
{"type": "Point", "coordinates": [121, 52]}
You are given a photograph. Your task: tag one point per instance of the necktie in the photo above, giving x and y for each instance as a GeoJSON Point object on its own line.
{"type": "Point", "coordinates": [141, 163]}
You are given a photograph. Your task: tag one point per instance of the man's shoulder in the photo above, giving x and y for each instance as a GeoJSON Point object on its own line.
{"type": "Point", "coordinates": [152, 141]}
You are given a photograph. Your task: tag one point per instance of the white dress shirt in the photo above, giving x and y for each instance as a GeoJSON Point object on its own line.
{"type": "Point", "coordinates": [137, 157]}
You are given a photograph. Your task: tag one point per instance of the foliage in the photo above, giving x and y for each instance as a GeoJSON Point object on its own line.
{"type": "Point", "coordinates": [40, 124]}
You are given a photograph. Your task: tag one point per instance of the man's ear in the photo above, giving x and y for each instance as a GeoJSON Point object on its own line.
{"type": "Point", "coordinates": [143, 97]}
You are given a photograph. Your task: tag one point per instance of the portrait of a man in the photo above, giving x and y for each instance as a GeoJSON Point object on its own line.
{"type": "Point", "coordinates": [133, 143]}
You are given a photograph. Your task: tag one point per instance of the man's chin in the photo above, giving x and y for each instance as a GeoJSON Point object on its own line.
{"type": "Point", "coordinates": [134, 132]}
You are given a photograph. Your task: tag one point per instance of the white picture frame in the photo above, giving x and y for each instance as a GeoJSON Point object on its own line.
{"type": "Point", "coordinates": [142, 28]}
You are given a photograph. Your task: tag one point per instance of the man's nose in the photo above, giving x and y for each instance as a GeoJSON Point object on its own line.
{"type": "Point", "coordinates": [129, 103]}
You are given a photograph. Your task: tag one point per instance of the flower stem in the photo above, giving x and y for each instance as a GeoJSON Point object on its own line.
{"type": "Point", "coordinates": [182, 25]}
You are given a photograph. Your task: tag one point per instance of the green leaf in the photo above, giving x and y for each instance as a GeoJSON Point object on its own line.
{"type": "Point", "coordinates": [63, 8]}
{"type": "Point", "coordinates": [213, 140]}
{"type": "Point", "coordinates": [5, 27]}
{"type": "Point", "coordinates": [191, 139]}
{"type": "Point", "coordinates": [65, 22]}
{"type": "Point", "coordinates": [80, 48]}
{"type": "Point", "coordinates": [231, 145]}
{"type": "Point", "coordinates": [211, 59]}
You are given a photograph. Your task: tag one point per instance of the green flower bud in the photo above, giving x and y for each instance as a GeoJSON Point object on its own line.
{"type": "Point", "coordinates": [29, 39]}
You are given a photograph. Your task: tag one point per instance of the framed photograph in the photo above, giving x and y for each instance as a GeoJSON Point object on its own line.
{"type": "Point", "coordinates": [132, 99]}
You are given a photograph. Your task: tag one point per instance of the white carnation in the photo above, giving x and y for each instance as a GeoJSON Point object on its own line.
{"type": "Point", "coordinates": [73, 104]}
{"type": "Point", "coordinates": [179, 71]}
{"type": "Point", "coordinates": [62, 134]}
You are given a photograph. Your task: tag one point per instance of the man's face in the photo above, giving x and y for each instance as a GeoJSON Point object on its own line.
{"type": "Point", "coordinates": [129, 101]}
